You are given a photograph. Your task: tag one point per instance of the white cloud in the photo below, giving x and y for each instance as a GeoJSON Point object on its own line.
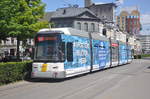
{"type": "Point", "coordinates": [118, 2]}
{"type": "Point", "coordinates": [145, 21]}
{"type": "Point", "coordinates": [121, 1]}
{"type": "Point", "coordinates": [129, 9]}
{"type": "Point", "coordinates": [99, 3]}
{"type": "Point", "coordinates": [145, 18]}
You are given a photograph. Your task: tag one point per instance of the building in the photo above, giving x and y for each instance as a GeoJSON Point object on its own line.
{"type": "Point", "coordinates": [121, 20]}
{"type": "Point", "coordinates": [78, 18]}
{"type": "Point", "coordinates": [137, 47]}
{"type": "Point", "coordinates": [87, 3]}
{"type": "Point", "coordinates": [105, 12]}
{"type": "Point", "coordinates": [145, 43]}
{"type": "Point", "coordinates": [92, 15]}
{"type": "Point", "coordinates": [93, 18]}
{"type": "Point", "coordinates": [8, 47]}
{"type": "Point", "coordinates": [129, 20]}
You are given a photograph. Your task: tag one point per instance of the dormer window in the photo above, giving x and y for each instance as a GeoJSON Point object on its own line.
{"type": "Point", "coordinates": [64, 11]}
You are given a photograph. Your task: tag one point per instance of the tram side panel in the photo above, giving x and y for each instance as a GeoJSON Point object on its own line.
{"type": "Point", "coordinates": [107, 53]}
{"type": "Point", "coordinates": [126, 53]}
{"type": "Point", "coordinates": [78, 55]}
{"type": "Point", "coordinates": [122, 53]}
{"type": "Point", "coordinates": [101, 54]}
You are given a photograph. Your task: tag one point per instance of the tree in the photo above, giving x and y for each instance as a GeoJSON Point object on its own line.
{"type": "Point", "coordinates": [20, 19]}
{"type": "Point", "coordinates": [5, 16]}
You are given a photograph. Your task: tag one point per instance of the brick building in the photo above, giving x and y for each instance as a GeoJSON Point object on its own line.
{"type": "Point", "coordinates": [129, 20]}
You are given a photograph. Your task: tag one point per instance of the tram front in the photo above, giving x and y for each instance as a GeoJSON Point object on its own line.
{"type": "Point", "coordinates": [49, 56]}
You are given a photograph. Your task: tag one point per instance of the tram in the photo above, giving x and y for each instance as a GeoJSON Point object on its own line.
{"type": "Point", "coordinates": [66, 52]}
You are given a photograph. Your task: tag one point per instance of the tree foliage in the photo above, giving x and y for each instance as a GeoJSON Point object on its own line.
{"type": "Point", "coordinates": [20, 18]}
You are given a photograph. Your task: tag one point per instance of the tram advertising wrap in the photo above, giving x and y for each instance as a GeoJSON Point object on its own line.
{"type": "Point", "coordinates": [101, 54]}
{"type": "Point", "coordinates": [129, 53]}
{"type": "Point", "coordinates": [80, 54]}
{"type": "Point", "coordinates": [122, 53]}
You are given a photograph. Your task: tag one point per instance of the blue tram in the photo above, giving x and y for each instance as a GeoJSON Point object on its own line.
{"type": "Point", "coordinates": [66, 52]}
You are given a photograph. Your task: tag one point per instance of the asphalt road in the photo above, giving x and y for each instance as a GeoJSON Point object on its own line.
{"type": "Point", "coordinates": [130, 81]}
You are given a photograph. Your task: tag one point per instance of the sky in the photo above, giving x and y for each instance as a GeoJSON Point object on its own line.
{"type": "Point", "coordinates": [143, 6]}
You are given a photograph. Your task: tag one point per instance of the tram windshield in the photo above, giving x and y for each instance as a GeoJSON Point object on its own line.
{"type": "Point", "coordinates": [49, 48]}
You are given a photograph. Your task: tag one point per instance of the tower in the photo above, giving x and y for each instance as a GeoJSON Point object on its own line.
{"type": "Point", "coordinates": [87, 3]}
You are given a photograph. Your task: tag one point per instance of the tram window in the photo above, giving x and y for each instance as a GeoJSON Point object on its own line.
{"type": "Point", "coordinates": [62, 52]}
{"type": "Point", "coordinates": [63, 47]}
{"type": "Point", "coordinates": [69, 52]}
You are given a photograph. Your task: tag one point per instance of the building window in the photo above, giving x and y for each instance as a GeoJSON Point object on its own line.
{"type": "Point", "coordinates": [98, 28]}
{"type": "Point", "coordinates": [12, 40]}
{"type": "Point", "coordinates": [85, 26]}
{"type": "Point", "coordinates": [134, 22]}
{"type": "Point", "coordinates": [12, 52]}
{"type": "Point", "coordinates": [79, 25]}
{"type": "Point", "coordinates": [104, 32]}
{"type": "Point", "coordinates": [59, 25]}
{"type": "Point", "coordinates": [92, 27]}
{"type": "Point", "coordinates": [131, 22]}
{"type": "Point", "coordinates": [30, 41]}
{"type": "Point", "coordinates": [118, 20]}
{"type": "Point", "coordinates": [4, 41]}
{"type": "Point", "coordinates": [122, 21]}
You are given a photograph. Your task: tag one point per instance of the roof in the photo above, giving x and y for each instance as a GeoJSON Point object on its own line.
{"type": "Point", "coordinates": [97, 36]}
{"type": "Point", "coordinates": [71, 12]}
{"type": "Point", "coordinates": [66, 12]}
{"type": "Point", "coordinates": [47, 16]}
{"type": "Point", "coordinates": [103, 4]}
{"type": "Point", "coordinates": [72, 31]}
{"type": "Point", "coordinates": [67, 31]}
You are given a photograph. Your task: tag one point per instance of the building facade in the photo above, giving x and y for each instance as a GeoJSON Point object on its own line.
{"type": "Point", "coordinates": [105, 12]}
{"type": "Point", "coordinates": [121, 20]}
{"type": "Point", "coordinates": [87, 3]}
{"type": "Point", "coordinates": [129, 20]}
{"type": "Point", "coordinates": [145, 42]}
{"type": "Point", "coordinates": [8, 47]}
{"type": "Point", "coordinates": [78, 18]}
